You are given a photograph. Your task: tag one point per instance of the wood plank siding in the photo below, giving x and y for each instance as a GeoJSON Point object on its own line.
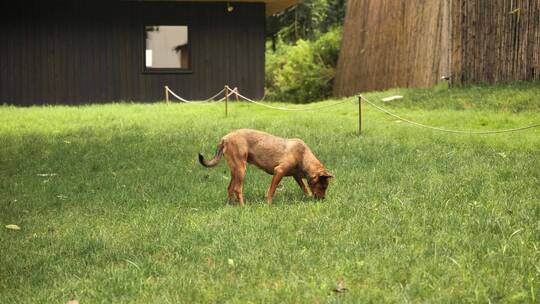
{"type": "Point", "coordinates": [74, 52]}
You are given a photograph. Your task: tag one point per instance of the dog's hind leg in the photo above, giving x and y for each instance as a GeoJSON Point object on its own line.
{"type": "Point", "coordinates": [238, 172]}
{"type": "Point", "coordinates": [232, 183]}
{"type": "Point", "coordinates": [230, 192]}
{"type": "Point", "coordinates": [239, 189]}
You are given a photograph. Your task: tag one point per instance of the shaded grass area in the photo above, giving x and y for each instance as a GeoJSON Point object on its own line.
{"type": "Point", "coordinates": [114, 206]}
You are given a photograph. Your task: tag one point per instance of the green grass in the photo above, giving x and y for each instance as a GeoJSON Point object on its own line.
{"type": "Point", "coordinates": [413, 215]}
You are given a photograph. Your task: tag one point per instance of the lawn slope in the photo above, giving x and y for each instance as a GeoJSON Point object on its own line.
{"type": "Point", "coordinates": [114, 207]}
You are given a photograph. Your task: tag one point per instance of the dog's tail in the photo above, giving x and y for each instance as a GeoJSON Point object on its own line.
{"type": "Point", "coordinates": [217, 157]}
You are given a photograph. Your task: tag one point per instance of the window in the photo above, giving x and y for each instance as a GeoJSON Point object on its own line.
{"type": "Point", "coordinates": [167, 47]}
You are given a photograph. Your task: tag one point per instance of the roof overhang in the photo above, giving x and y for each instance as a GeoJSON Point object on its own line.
{"type": "Point", "coordinates": [276, 6]}
{"type": "Point", "coordinates": [272, 6]}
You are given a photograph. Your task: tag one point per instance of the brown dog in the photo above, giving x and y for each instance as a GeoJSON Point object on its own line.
{"type": "Point", "coordinates": [277, 156]}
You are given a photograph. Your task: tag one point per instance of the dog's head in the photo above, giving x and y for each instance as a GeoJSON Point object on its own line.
{"type": "Point", "coordinates": [319, 183]}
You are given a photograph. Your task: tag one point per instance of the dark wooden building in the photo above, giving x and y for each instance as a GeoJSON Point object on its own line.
{"type": "Point", "coordinates": [73, 52]}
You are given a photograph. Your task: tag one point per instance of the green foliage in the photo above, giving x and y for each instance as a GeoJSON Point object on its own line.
{"type": "Point", "coordinates": [305, 41]}
{"type": "Point", "coordinates": [307, 20]}
{"type": "Point", "coordinates": [305, 71]}
{"type": "Point", "coordinates": [114, 208]}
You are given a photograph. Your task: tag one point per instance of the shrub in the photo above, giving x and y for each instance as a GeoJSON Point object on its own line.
{"type": "Point", "coordinates": [305, 71]}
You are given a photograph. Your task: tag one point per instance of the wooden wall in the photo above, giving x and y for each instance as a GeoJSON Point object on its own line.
{"type": "Point", "coordinates": [72, 52]}
{"type": "Point", "coordinates": [413, 43]}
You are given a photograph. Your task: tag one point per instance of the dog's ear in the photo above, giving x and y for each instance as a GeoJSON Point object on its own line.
{"type": "Point", "coordinates": [321, 175]}
{"type": "Point", "coordinates": [325, 174]}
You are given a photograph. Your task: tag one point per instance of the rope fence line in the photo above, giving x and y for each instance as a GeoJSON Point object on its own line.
{"type": "Point", "coordinates": [290, 109]}
{"type": "Point", "coordinates": [361, 97]}
{"type": "Point", "coordinates": [228, 92]}
{"type": "Point", "coordinates": [208, 100]}
{"type": "Point", "coordinates": [236, 92]}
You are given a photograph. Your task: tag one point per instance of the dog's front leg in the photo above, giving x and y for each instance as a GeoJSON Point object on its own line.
{"type": "Point", "coordinates": [302, 185]}
{"type": "Point", "coordinates": [278, 175]}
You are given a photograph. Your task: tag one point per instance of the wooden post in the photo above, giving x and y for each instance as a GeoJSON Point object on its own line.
{"type": "Point", "coordinates": [236, 90]}
{"type": "Point", "coordinates": [166, 94]}
{"type": "Point", "coordinates": [360, 99]}
{"type": "Point", "coordinates": [226, 99]}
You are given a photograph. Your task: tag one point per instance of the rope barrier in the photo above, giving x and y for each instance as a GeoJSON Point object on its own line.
{"type": "Point", "coordinates": [289, 109]}
{"type": "Point", "coordinates": [236, 92]}
{"type": "Point", "coordinates": [174, 94]}
{"type": "Point", "coordinates": [208, 100]}
{"type": "Point", "coordinates": [443, 129]}
{"type": "Point", "coordinates": [264, 96]}
{"type": "Point", "coordinates": [216, 95]}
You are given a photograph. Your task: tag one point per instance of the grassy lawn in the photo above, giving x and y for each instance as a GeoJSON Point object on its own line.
{"type": "Point", "coordinates": [114, 207]}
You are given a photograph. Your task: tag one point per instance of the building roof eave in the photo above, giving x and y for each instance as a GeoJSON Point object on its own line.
{"type": "Point", "coordinates": [272, 6]}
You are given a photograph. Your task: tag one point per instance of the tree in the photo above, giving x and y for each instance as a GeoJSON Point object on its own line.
{"type": "Point", "coordinates": [307, 20]}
